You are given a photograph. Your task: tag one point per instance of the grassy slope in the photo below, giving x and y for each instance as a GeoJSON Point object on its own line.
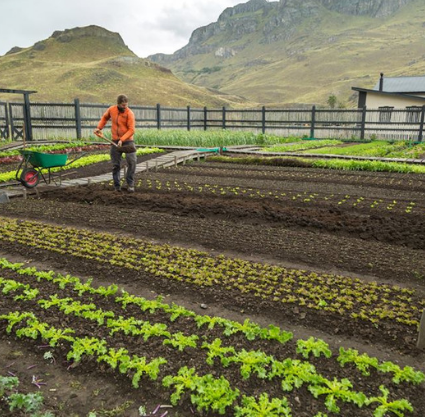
{"type": "Point", "coordinates": [90, 68]}
{"type": "Point", "coordinates": [324, 57]}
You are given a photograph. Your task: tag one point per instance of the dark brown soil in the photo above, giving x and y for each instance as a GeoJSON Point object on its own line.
{"type": "Point", "coordinates": [339, 222]}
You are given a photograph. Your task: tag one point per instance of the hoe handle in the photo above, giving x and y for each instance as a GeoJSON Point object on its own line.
{"type": "Point", "coordinates": [99, 134]}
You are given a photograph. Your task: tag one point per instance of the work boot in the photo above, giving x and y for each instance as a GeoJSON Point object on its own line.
{"type": "Point", "coordinates": [130, 189]}
{"type": "Point", "coordinates": [118, 189]}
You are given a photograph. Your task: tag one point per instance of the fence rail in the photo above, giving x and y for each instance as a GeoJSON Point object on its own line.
{"type": "Point", "coordinates": [77, 120]}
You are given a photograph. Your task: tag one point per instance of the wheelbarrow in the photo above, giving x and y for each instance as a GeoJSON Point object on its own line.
{"type": "Point", "coordinates": [30, 170]}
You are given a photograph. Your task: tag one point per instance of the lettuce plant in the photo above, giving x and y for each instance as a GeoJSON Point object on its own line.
{"type": "Point", "coordinates": [397, 407]}
{"type": "Point", "coordinates": [294, 373]}
{"type": "Point", "coordinates": [363, 362]}
{"type": "Point", "coordinates": [263, 407]}
{"type": "Point", "coordinates": [337, 390]}
{"type": "Point", "coordinates": [316, 346]}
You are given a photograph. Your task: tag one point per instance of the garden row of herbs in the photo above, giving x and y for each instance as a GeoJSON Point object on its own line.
{"type": "Point", "coordinates": [251, 370]}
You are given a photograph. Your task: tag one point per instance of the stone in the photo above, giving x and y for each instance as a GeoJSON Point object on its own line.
{"type": "Point", "coordinates": [4, 198]}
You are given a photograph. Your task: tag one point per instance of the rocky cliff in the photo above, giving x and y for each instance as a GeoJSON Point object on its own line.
{"type": "Point", "coordinates": [326, 43]}
{"type": "Point", "coordinates": [374, 8]}
{"type": "Point", "coordinates": [274, 21]}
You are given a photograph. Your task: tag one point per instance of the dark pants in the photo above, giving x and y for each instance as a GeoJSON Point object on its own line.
{"type": "Point", "coordinates": [131, 159]}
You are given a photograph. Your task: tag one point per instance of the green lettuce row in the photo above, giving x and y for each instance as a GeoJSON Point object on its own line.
{"type": "Point", "coordinates": [306, 348]}
{"type": "Point", "coordinates": [250, 329]}
{"type": "Point", "coordinates": [294, 373]}
{"type": "Point", "coordinates": [336, 294]}
{"type": "Point", "coordinates": [300, 146]}
{"type": "Point", "coordinates": [340, 164]}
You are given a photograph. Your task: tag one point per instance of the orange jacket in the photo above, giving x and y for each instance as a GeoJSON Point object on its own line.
{"type": "Point", "coordinates": [123, 124]}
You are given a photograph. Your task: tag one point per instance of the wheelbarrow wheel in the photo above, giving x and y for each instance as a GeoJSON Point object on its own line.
{"type": "Point", "coordinates": [30, 178]}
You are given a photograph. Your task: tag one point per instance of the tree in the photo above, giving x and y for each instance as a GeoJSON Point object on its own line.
{"type": "Point", "coordinates": [332, 101]}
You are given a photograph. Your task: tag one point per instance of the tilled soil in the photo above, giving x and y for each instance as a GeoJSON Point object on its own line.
{"type": "Point", "coordinates": [382, 242]}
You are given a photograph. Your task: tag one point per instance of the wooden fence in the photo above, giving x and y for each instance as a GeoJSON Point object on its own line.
{"type": "Point", "coordinates": [78, 120]}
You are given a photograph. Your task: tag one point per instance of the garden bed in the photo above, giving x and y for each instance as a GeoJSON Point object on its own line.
{"type": "Point", "coordinates": [330, 229]}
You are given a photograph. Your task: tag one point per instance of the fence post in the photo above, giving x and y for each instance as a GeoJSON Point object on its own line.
{"type": "Point", "coordinates": [205, 118]}
{"type": "Point", "coordinates": [158, 116]}
{"type": "Point", "coordinates": [7, 132]}
{"type": "Point", "coordinates": [188, 117]}
{"type": "Point", "coordinates": [12, 125]}
{"type": "Point", "coordinates": [313, 121]}
{"type": "Point", "coordinates": [263, 119]}
{"type": "Point", "coordinates": [223, 124]}
{"type": "Point", "coordinates": [77, 117]}
{"type": "Point", "coordinates": [421, 127]}
{"type": "Point", "coordinates": [362, 129]}
{"type": "Point", "coordinates": [27, 117]}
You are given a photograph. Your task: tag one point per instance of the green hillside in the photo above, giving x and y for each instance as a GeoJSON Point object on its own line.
{"type": "Point", "coordinates": [95, 65]}
{"type": "Point", "coordinates": [292, 53]}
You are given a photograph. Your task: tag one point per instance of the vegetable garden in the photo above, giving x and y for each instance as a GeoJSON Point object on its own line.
{"type": "Point", "coordinates": [225, 287]}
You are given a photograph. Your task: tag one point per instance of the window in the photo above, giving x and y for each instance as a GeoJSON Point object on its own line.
{"type": "Point", "coordinates": [413, 114]}
{"type": "Point", "coordinates": [385, 114]}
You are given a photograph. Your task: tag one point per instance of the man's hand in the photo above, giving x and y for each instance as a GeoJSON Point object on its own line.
{"type": "Point", "coordinates": [119, 144]}
{"type": "Point", "coordinates": [97, 132]}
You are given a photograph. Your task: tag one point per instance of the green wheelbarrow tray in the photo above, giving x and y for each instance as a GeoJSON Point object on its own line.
{"type": "Point", "coordinates": [216, 150]}
{"type": "Point", "coordinates": [44, 160]}
{"type": "Point", "coordinates": [30, 170]}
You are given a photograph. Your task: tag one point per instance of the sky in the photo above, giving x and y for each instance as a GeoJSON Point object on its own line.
{"type": "Point", "coordinates": [146, 26]}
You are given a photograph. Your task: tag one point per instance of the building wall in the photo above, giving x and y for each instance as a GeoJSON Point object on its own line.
{"type": "Point", "coordinates": [375, 100]}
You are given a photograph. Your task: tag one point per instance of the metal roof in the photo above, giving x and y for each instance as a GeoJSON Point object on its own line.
{"type": "Point", "coordinates": [366, 90]}
{"type": "Point", "coordinates": [402, 85]}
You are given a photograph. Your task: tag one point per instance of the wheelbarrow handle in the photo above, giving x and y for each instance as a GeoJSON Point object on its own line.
{"type": "Point", "coordinates": [100, 135]}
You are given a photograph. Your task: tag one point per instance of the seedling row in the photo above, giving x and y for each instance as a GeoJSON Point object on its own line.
{"type": "Point", "coordinates": [287, 197]}
{"type": "Point", "coordinates": [224, 372]}
{"type": "Point", "coordinates": [350, 299]}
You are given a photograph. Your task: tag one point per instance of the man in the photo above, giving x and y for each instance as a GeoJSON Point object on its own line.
{"type": "Point", "coordinates": [123, 128]}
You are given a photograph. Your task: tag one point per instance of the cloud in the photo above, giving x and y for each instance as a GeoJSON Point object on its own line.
{"type": "Point", "coordinates": [147, 27]}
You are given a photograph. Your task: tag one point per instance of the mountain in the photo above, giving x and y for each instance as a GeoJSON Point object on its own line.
{"type": "Point", "coordinates": [94, 65]}
{"type": "Point", "coordinates": [299, 52]}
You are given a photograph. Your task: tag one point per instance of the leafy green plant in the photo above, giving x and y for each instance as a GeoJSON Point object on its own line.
{"type": "Point", "coordinates": [210, 321]}
{"type": "Point", "coordinates": [185, 380]}
{"type": "Point", "coordinates": [316, 346]}
{"type": "Point", "coordinates": [180, 341]}
{"type": "Point", "coordinates": [263, 407]}
{"type": "Point", "coordinates": [114, 357]}
{"type": "Point", "coordinates": [276, 333]}
{"type": "Point", "coordinates": [252, 361]}
{"type": "Point", "coordinates": [213, 394]}
{"type": "Point", "coordinates": [397, 407]}
{"type": "Point", "coordinates": [53, 335]}
{"type": "Point", "coordinates": [294, 373]}
{"type": "Point", "coordinates": [33, 329]}
{"type": "Point", "coordinates": [7, 383]}
{"type": "Point", "coordinates": [15, 318]}
{"type": "Point", "coordinates": [30, 402]}
{"type": "Point", "coordinates": [216, 350]}
{"type": "Point", "coordinates": [337, 390]}
{"type": "Point", "coordinates": [176, 311]}
{"type": "Point", "coordinates": [139, 366]}
{"type": "Point", "coordinates": [86, 346]}
{"type": "Point", "coordinates": [407, 374]}
{"type": "Point", "coordinates": [363, 362]}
